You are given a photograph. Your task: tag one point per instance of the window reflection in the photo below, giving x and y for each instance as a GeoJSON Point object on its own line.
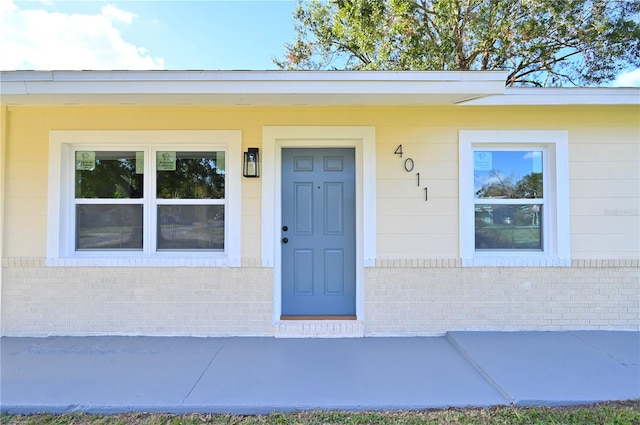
{"type": "Point", "coordinates": [109, 175]}
{"type": "Point", "coordinates": [508, 226]}
{"type": "Point", "coordinates": [508, 174]}
{"type": "Point", "coordinates": [108, 227]}
{"type": "Point", "coordinates": [190, 175]}
{"type": "Point", "coordinates": [187, 227]}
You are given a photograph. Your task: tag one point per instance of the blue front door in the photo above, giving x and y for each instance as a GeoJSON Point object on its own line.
{"type": "Point", "coordinates": [318, 235]}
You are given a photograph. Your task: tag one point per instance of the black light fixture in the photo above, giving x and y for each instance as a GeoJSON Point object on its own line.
{"type": "Point", "coordinates": [251, 166]}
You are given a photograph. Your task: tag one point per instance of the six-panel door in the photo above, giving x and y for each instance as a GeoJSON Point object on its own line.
{"type": "Point", "coordinates": [318, 231]}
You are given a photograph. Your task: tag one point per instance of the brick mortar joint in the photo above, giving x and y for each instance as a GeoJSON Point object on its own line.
{"type": "Point", "coordinates": [380, 263]}
{"type": "Point", "coordinates": [456, 263]}
{"type": "Point", "coordinates": [137, 263]}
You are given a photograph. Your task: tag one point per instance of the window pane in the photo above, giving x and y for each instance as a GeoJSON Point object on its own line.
{"type": "Point", "coordinates": [108, 227]}
{"type": "Point", "coordinates": [507, 174]}
{"type": "Point", "coordinates": [111, 175]}
{"type": "Point", "coordinates": [190, 175]}
{"type": "Point", "coordinates": [509, 226]}
{"type": "Point", "coordinates": [190, 227]}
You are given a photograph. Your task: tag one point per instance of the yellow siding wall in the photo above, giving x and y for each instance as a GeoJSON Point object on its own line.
{"type": "Point", "coordinates": [417, 286]}
{"type": "Point", "coordinates": [604, 170]}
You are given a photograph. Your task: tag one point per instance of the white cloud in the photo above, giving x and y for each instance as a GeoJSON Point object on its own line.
{"type": "Point", "coordinates": [628, 79]}
{"type": "Point", "coordinates": [42, 40]}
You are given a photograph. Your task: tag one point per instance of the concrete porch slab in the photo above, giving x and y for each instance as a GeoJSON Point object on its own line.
{"type": "Point", "coordinates": [262, 375]}
{"type": "Point", "coordinates": [556, 368]}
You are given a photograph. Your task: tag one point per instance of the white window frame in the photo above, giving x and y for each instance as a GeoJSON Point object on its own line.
{"type": "Point", "coordinates": [556, 233]}
{"type": "Point", "coordinates": [61, 217]}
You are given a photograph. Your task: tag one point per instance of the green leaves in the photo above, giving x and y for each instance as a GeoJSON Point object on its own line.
{"type": "Point", "coordinates": [540, 42]}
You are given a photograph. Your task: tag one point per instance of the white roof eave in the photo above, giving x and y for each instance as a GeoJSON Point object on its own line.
{"type": "Point", "coordinates": [281, 88]}
{"type": "Point", "coordinates": [246, 87]}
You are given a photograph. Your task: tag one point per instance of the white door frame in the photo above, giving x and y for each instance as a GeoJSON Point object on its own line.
{"type": "Point", "coordinates": [362, 138]}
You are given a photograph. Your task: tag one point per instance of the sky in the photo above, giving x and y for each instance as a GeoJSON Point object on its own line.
{"type": "Point", "coordinates": [213, 35]}
{"type": "Point", "coordinates": [494, 166]}
{"type": "Point", "coordinates": [152, 34]}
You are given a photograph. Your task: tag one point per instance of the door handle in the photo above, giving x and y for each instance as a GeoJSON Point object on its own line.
{"type": "Point", "coordinates": [285, 240]}
{"type": "Point", "coordinates": [285, 228]}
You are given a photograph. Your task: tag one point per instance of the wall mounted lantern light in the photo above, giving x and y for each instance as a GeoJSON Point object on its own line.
{"type": "Point", "coordinates": [251, 167]}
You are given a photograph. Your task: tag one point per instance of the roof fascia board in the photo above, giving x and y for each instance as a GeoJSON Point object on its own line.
{"type": "Point", "coordinates": [468, 88]}
{"type": "Point", "coordinates": [113, 76]}
{"type": "Point", "coordinates": [183, 82]}
{"type": "Point", "coordinates": [322, 99]}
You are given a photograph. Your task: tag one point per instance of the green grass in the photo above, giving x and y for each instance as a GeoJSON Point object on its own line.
{"type": "Point", "coordinates": [615, 413]}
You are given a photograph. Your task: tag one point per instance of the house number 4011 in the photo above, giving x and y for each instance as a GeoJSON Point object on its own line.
{"type": "Point", "coordinates": [408, 167]}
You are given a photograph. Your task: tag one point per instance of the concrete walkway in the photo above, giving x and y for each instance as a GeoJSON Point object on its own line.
{"type": "Point", "coordinates": [261, 375]}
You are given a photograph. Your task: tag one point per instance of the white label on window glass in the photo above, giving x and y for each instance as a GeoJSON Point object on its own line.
{"type": "Point", "coordinates": [482, 161]}
{"type": "Point", "coordinates": [85, 161]}
{"type": "Point", "coordinates": [139, 162]}
{"type": "Point", "coordinates": [166, 161]}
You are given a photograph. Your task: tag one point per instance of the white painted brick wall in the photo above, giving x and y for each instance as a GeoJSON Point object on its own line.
{"type": "Point", "coordinates": [40, 301]}
{"type": "Point", "coordinates": [598, 294]}
{"type": "Point", "coordinates": [402, 297]}
{"type": "Point", "coordinates": [319, 329]}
